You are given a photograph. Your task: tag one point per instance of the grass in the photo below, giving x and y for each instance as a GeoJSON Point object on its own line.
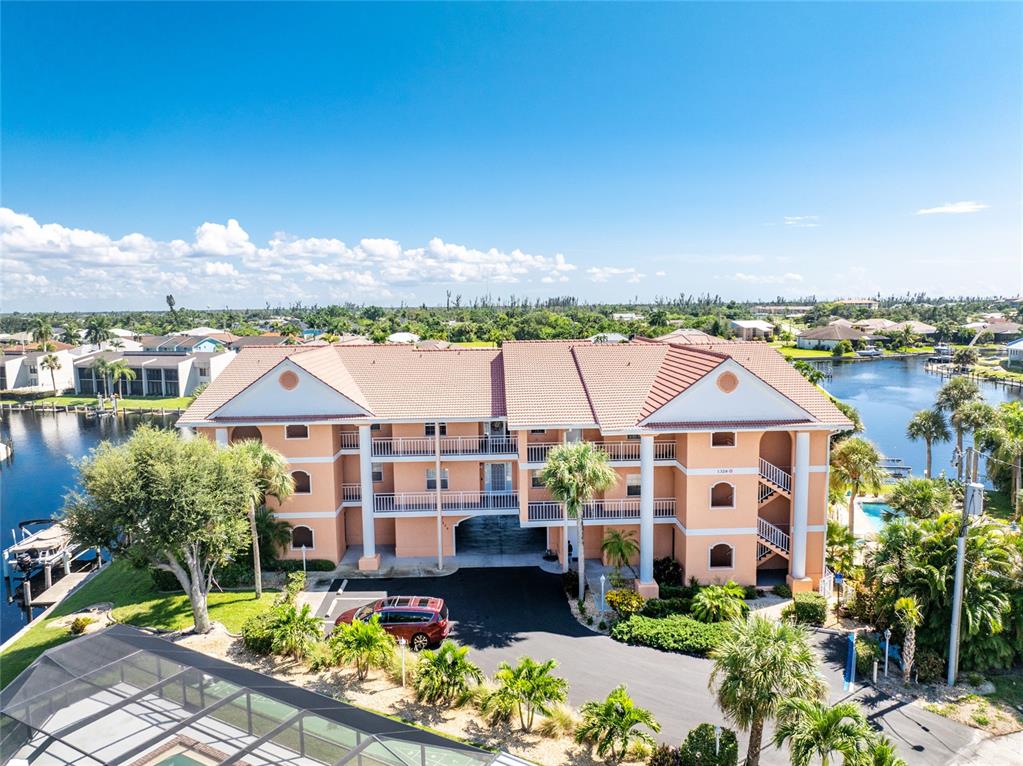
{"type": "Point", "coordinates": [136, 602]}
{"type": "Point", "coordinates": [1008, 690]}
{"type": "Point", "coordinates": [140, 403]}
{"type": "Point", "coordinates": [998, 504]}
{"type": "Point", "coordinates": [476, 344]}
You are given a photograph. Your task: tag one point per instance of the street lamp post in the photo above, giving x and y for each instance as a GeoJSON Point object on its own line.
{"type": "Point", "coordinates": [887, 640]}
{"type": "Point", "coordinates": [602, 602]}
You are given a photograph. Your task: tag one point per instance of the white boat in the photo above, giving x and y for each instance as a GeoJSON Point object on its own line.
{"type": "Point", "coordinates": [869, 351]}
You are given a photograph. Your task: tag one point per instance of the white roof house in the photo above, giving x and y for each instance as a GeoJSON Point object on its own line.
{"type": "Point", "coordinates": [748, 329]}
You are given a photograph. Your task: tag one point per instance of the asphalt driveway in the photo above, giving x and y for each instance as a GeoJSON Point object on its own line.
{"type": "Point", "coordinates": [506, 613]}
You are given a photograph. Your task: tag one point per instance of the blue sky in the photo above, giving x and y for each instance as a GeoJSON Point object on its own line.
{"type": "Point", "coordinates": [239, 153]}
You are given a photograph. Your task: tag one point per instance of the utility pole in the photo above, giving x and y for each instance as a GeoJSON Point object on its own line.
{"type": "Point", "coordinates": [973, 505]}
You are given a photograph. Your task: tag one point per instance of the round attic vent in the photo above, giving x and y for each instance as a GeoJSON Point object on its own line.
{"type": "Point", "coordinates": [288, 380]}
{"type": "Point", "coordinates": [727, 382]}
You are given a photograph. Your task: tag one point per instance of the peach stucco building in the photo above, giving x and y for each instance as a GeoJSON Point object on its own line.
{"type": "Point", "coordinates": [721, 449]}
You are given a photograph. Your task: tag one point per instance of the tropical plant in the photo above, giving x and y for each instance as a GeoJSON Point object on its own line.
{"type": "Point", "coordinates": [818, 731]}
{"type": "Point", "coordinates": [929, 426]}
{"type": "Point", "coordinates": [907, 610]}
{"type": "Point", "coordinates": [446, 675]}
{"type": "Point", "coordinates": [364, 644]}
{"type": "Point", "coordinates": [757, 664]}
{"type": "Point", "coordinates": [532, 688]}
{"type": "Point", "coordinates": [809, 371]}
{"type": "Point", "coordinates": [101, 367]}
{"type": "Point", "coordinates": [1005, 435]}
{"type": "Point", "coordinates": [273, 535]}
{"type": "Point", "coordinates": [619, 548]}
{"type": "Point", "coordinates": [120, 371]}
{"type": "Point", "coordinates": [920, 498]}
{"type": "Point", "coordinates": [881, 752]}
{"type": "Point", "coordinates": [951, 397]}
{"type": "Point", "coordinates": [856, 466]}
{"type": "Point", "coordinates": [42, 330]}
{"type": "Point", "coordinates": [160, 501]}
{"type": "Point", "coordinates": [975, 416]}
{"type": "Point", "coordinates": [615, 723]}
{"type": "Point", "coordinates": [271, 477]}
{"type": "Point", "coordinates": [624, 601]}
{"type": "Point", "coordinates": [854, 417]}
{"type": "Point", "coordinates": [716, 603]}
{"type": "Point", "coordinates": [965, 357]}
{"type": "Point", "coordinates": [295, 630]}
{"type": "Point", "coordinates": [51, 362]}
{"type": "Point", "coordinates": [840, 547]}
{"type": "Point", "coordinates": [97, 330]}
{"type": "Point", "coordinates": [561, 721]}
{"type": "Point", "coordinates": [69, 333]}
{"type": "Point", "coordinates": [573, 474]}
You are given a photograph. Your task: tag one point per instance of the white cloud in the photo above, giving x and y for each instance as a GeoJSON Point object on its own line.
{"type": "Point", "coordinates": [660, 273]}
{"type": "Point", "coordinates": [767, 279]}
{"type": "Point", "coordinates": [802, 221]}
{"type": "Point", "coordinates": [953, 208]}
{"type": "Point", "coordinates": [219, 269]}
{"type": "Point", "coordinates": [217, 239]}
{"type": "Point", "coordinates": [606, 273]}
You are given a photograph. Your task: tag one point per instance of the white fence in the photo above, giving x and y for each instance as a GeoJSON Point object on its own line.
{"type": "Point", "coordinates": [426, 502]}
{"type": "Point", "coordinates": [602, 510]}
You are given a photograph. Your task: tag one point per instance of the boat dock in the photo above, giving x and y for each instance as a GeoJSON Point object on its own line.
{"type": "Point", "coordinates": [951, 371]}
{"type": "Point", "coordinates": [89, 410]}
{"type": "Point", "coordinates": [60, 589]}
{"type": "Point", "coordinates": [41, 552]}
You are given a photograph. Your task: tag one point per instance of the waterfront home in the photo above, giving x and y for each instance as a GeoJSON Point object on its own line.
{"type": "Point", "coordinates": [1014, 352]}
{"type": "Point", "coordinates": [829, 336]}
{"type": "Point", "coordinates": [721, 451]}
{"type": "Point", "coordinates": [1004, 331]}
{"type": "Point", "coordinates": [689, 336]}
{"type": "Point", "coordinates": [266, 339]}
{"type": "Point", "coordinates": [22, 371]}
{"type": "Point", "coordinates": [187, 342]}
{"type": "Point", "coordinates": [161, 373]}
{"type": "Point", "coordinates": [876, 325]}
{"type": "Point", "coordinates": [915, 327]}
{"type": "Point", "coordinates": [751, 329]}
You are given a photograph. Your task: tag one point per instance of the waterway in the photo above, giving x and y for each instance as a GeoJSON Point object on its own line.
{"type": "Point", "coordinates": [34, 480]}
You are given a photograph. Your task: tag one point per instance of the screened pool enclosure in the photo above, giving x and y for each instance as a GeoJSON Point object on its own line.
{"type": "Point", "coordinates": [124, 697]}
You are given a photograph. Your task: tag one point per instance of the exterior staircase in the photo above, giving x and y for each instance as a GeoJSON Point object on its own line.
{"type": "Point", "coordinates": [776, 479]}
{"type": "Point", "coordinates": [771, 540]}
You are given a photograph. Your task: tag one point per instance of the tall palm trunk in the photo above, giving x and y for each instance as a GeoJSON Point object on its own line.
{"type": "Point", "coordinates": [257, 569]}
{"type": "Point", "coordinates": [927, 467]}
{"type": "Point", "coordinates": [908, 652]}
{"type": "Point", "coordinates": [756, 737]}
{"type": "Point", "coordinates": [53, 380]}
{"type": "Point", "coordinates": [959, 451]}
{"type": "Point", "coordinates": [852, 510]}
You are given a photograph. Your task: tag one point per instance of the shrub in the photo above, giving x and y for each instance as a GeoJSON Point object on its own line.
{"type": "Point", "coordinates": [446, 675]}
{"type": "Point", "coordinates": [614, 724]}
{"type": "Point", "coordinates": [664, 756]}
{"type": "Point", "coordinates": [235, 574]}
{"type": "Point", "coordinates": [929, 666]}
{"type": "Point", "coordinates": [562, 721]}
{"type": "Point", "coordinates": [752, 592]}
{"type": "Point", "coordinates": [810, 608]}
{"type": "Point", "coordinates": [295, 565]}
{"type": "Point", "coordinates": [662, 607]}
{"type": "Point", "coordinates": [570, 582]}
{"type": "Point", "coordinates": [294, 631]}
{"type": "Point", "coordinates": [782, 590]}
{"type": "Point", "coordinates": [702, 747]}
{"type": "Point", "coordinates": [625, 602]}
{"type": "Point", "coordinates": [363, 644]}
{"type": "Point", "coordinates": [868, 651]}
{"type": "Point", "coordinates": [667, 571]}
{"type": "Point", "coordinates": [531, 687]}
{"type": "Point", "coordinates": [717, 603]}
{"type": "Point", "coordinates": [678, 591]}
{"type": "Point", "coordinates": [294, 586]}
{"type": "Point", "coordinates": [320, 657]}
{"type": "Point", "coordinates": [256, 632]}
{"type": "Point", "coordinates": [675, 633]}
{"type": "Point", "coordinates": [165, 581]}
{"type": "Point", "coordinates": [79, 624]}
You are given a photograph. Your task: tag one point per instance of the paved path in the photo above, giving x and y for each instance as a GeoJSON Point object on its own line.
{"type": "Point", "coordinates": [504, 614]}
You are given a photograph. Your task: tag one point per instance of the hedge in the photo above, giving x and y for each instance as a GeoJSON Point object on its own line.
{"type": "Point", "coordinates": [810, 608]}
{"type": "Point", "coordinates": [675, 633]}
{"type": "Point", "coordinates": [662, 607]}
{"type": "Point", "coordinates": [239, 574]}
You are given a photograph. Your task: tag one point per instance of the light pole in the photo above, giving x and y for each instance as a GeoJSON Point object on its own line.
{"type": "Point", "coordinates": [602, 604]}
{"type": "Point", "coordinates": [973, 505]}
{"type": "Point", "coordinates": [887, 640]}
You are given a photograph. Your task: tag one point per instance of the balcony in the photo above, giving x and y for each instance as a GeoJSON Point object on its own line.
{"type": "Point", "coordinates": [349, 440]}
{"type": "Point", "coordinates": [622, 509]}
{"type": "Point", "coordinates": [351, 493]}
{"type": "Point", "coordinates": [617, 452]}
{"type": "Point", "coordinates": [450, 446]}
{"type": "Point", "coordinates": [452, 502]}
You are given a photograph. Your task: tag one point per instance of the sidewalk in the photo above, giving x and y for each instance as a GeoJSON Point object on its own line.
{"type": "Point", "coordinates": [1006, 750]}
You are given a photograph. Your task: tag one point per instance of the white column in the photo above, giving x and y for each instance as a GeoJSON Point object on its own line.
{"type": "Point", "coordinates": [646, 510]}
{"type": "Point", "coordinates": [800, 501]}
{"type": "Point", "coordinates": [221, 435]}
{"type": "Point", "coordinates": [369, 542]}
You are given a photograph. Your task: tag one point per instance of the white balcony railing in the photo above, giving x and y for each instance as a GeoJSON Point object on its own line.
{"type": "Point", "coordinates": [602, 510]}
{"type": "Point", "coordinates": [426, 502]}
{"type": "Point", "coordinates": [350, 492]}
{"type": "Point", "coordinates": [617, 452]}
{"type": "Point", "coordinates": [426, 446]}
{"type": "Point", "coordinates": [777, 476]}
{"type": "Point", "coordinates": [772, 534]}
{"type": "Point", "coordinates": [349, 440]}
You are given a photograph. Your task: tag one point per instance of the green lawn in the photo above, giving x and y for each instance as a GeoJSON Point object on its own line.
{"type": "Point", "coordinates": [805, 353]}
{"type": "Point", "coordinates": [998, 504]}
{"type": "Point", "coordinates": [476, 344]}
{"type": "Point", "coordinates": [136, 602]}
{"type": "Point", "coordinates": [142, 403]}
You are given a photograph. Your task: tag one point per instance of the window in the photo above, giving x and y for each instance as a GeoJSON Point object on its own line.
{"type": "Point", "coordinates": [536, 479]}
{"type": "Point", "coordinates": [722, 439]}
{"type": "Point", "coordinates": [303, 484]}
{"type": "Point", "coordinates": [431, 478]}
{"type": "Point", "coordinates": [633, 487]}
{"type": "Point", "coordinates": [378, 472]}
{"type": "Point", "coordinates": [32, 369]}
{"type": "Point", "coordinates": [204, 372]}
{"type": "Point", "coordinates": [537, 430]}
{"type": "Point", "coordinates": [721, 556]}
{"type": "Point", "coordinates": [240, 433]}
{"type": "Point", "coordinates": [632, 437]}
{"type": "Point", "coordinates": [301, 537]}
{"type": "Point", "coordinates": [722, 495]}
{"type": "Point", "coordinates": [431, 426]}
{"type": "Point", "coordinates": [296, 431]}
{"type": "Point", "coordinates": [374, 427]}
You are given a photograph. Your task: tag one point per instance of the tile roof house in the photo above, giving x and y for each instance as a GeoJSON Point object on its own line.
{"type": "Point", "coordinates": [720, 448]}
{"type": "Point", "coordinates": [829, 336]}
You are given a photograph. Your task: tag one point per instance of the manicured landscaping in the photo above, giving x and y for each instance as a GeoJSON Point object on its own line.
{"type": "Point", "coordinates": [140, 403]}
{"type": "Point", "coordinates": [136, 601]}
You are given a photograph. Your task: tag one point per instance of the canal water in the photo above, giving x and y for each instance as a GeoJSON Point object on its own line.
{"type": "Point", "coordinates": [33, 481]}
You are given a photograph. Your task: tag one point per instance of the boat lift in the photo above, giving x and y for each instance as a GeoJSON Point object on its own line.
{"type": "Point", "coordinates": [43, 550]}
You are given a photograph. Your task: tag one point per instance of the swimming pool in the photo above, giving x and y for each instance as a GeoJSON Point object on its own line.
{"type": "Point", "coordinates": [874, 513]}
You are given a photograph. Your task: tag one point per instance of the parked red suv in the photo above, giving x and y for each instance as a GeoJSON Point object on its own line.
{"type": "Point", "coordinates": [420, 620]}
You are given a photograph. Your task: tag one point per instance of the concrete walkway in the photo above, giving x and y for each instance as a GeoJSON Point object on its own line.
{"type": "Point", "coordinates": [1006, 750]}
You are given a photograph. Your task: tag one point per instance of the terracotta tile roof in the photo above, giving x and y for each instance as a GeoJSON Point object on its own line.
{"type": "Point", "coordinates": [324, 363]}
{"type": "Point", "coordinates": [688, 336]}
{"type": "Point", "coordinates": [832, 332]}
{"type": "Point", "coordinates": [542, 385]}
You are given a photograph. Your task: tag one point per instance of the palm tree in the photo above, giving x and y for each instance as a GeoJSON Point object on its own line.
{"type": "Point", "coordinates": [52, 363]}
{"type": "Point", "coordinates": [907, 610]}
{"type": "Point", "coordinates": [815, 730]}
{"type": "Point", "coordinates": [574, 473]}
{"type": "Point", "coordinates": [921, 498]}
{"type": "Point", "coordinates": [272, 478]}
{"type": "Point", "coordinates": [855, 466]}
{"type": "Point", "coordinates": [614, 724]}
{"type": "Point", "coordinates": [70, 333]}
{"type": "Point", "coordinates": [881, 752]}
{"type": "Point", "coordinates": [975, 416]}
{"type": "Point", "coordinates": [717, 603]}
{"type": "Point", "coordinates": [272, 535]}
{"type": "Point", "coordinates": [295, 631]}
{"type": "Point", "coordinates": [758, 664]}
{"type": "Point", "coordinates": [97, 330]}
{"type": "Point", "coordinates": [446, 675]}
{"type": "Point", "coordinates": [951, 397]}
{"type": "Point", "coordinates": [101, 367]}
{"type": "Point", "coordinates": [619, 547]}
{"type": "Point", "coordinates": [1006, 435]}
{"type": "Point", "coordinates": [930, 426]}
{"type": "Point", "coordinates": [840, 548]}
{"type": "Point", "coordinates": [42, 330]}
{"type": "Point", "coordinates": [531, 687]}
{"type": "Point", "coordinates": [363, 644]}
{"type": "Point", "coordinates": [119, 372]}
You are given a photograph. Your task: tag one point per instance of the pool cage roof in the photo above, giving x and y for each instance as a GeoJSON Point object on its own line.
{"type": "Point", "coordinates": [121, 697]}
